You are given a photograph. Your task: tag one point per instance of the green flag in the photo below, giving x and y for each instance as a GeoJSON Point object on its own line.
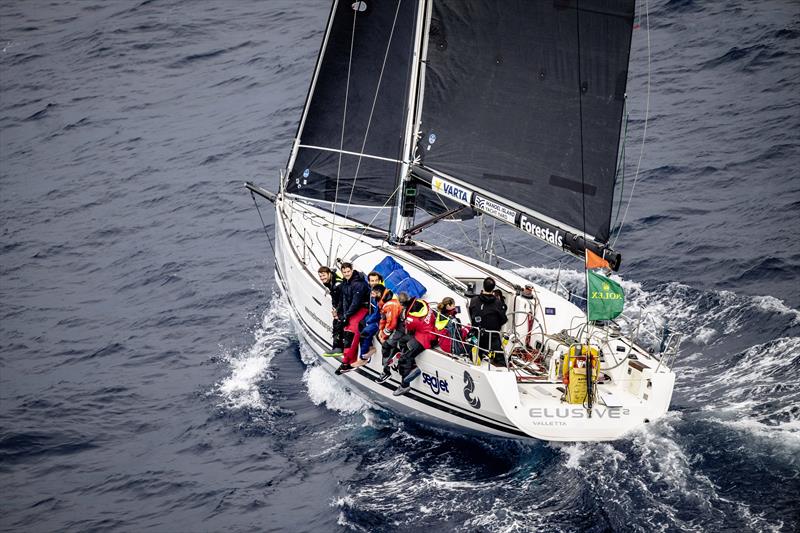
{"type": "Point", "coordinates": [605, 298]}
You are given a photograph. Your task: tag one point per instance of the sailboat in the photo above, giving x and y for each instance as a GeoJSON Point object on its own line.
{"type": "Point", "coordinates": [511, 111]}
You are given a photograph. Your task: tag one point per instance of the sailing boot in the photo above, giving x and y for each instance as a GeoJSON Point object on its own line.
{"type": "Point", "coordinates": [385, 375]}
{"type": "Point", "coordinates": [344, 367]}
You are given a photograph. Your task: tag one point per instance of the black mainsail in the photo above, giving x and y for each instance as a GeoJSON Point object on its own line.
{"type": "Point", "coordinates": [522, 105]}
{"type": "Point", "coordinates": [351, 135]}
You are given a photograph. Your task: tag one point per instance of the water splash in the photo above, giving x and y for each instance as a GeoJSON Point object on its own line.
{"type": "Point", "coordinates": [249, 368]}
{"type": "Point", "coordinates": [325, 389]}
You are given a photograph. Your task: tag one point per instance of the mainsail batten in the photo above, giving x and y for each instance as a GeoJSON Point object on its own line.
{"type": "Point", "coordinates": [347, 152]}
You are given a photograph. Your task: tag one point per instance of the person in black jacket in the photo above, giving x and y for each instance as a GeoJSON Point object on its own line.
{"type": "Point", "coordinates": [333, 282]}
{"type": "Point", "coordinates": [355, 304]}
{"type": "Point", "coordinates": [488, 313]}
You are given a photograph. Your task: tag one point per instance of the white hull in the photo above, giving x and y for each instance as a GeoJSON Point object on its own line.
{"type": "Point", "coordinates": [452, 391]}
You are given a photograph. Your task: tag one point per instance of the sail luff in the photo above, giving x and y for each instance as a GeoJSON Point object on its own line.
{"type": "Point", "coordinates": [310, 93]}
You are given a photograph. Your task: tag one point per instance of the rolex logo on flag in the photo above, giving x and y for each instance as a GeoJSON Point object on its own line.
{"type": "Point", "coordinates": [605, 298]}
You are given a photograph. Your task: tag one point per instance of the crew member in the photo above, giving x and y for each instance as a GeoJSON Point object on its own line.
{"type": "Point", "coordinates": [373, 278]}
{"type": "Point", "coordinates": [355, 301]}
{"type": "Point", "coordinates": [449, 331]}
{"type": "Point", "coordinates": [390, 330]}
{"type": "Point", "coordinates": [370, 325]}
{"type": "Point", "coordinates": [486, 311]}
{"type": "Point", "coordinates": [333, 283]}
{"type": "Point", "coordinates": [420, 335]}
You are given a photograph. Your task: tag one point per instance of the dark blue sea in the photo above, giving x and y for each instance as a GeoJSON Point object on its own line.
{"type": "Point", "coordinates": [151, 380]}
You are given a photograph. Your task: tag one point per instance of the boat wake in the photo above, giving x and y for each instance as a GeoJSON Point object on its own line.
{"type": "Point", "coordinates": [244, 388]}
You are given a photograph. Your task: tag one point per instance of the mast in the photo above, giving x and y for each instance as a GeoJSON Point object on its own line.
{"type": "Point", "coordinates": [402, 216]}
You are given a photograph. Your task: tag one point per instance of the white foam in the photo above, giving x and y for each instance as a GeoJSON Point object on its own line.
{"type": "Point", "coordinates": [786, 434]}
{"type": "Point", "coordinates": [574, 452]}
{"type": "Point", "coordinates": [703, 335]}
{"type": "Point", "coordinates": [774, 305]}
{"type": "Point", "coordinates": [323, 388]}
{"type": "Point", "coordinates": [249, 368]}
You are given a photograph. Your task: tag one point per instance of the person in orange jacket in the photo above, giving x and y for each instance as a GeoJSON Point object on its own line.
{"type": "Point", "coordinates": [390, 330]}
{"type": "Point", "coordinates": [390, 314]}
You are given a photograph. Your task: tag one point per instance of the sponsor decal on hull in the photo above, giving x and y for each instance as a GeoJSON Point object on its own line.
{"type": "Point", "coordinates": [437, 385]}
{"type": "Point", "coordinates": [469, 389]}
{"type": "Point", "coordinates": [318, 320]}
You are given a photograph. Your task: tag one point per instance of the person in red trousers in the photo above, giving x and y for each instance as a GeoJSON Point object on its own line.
{"type": "Point", "coordinates": [355, 304]}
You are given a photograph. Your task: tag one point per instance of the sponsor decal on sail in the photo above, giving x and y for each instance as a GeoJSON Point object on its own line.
{"type": "Point", "coordinates": [540, 232]}
{"type": "Point", "coordinates": [496, 210]}
{"type": "Point", "coordinates": [445, 188]}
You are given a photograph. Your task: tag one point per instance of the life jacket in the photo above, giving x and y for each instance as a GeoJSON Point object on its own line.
{"type": "Point", "coordinates": [442, 319]}
{"type": "Point", "coordinates": [450, 333]}
{"type": "Point", "coordinates": [420, 323]}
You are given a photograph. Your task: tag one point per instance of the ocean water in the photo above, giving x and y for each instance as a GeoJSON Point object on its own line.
{"type": "Point", "coordinates": [150, 379]}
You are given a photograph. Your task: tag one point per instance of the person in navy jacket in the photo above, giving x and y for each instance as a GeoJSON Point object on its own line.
{"type": "Point", "coordinates": [355, 304]}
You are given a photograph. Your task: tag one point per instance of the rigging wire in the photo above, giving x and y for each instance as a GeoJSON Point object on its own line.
{"type": "Point", "coordinates": [459, 226]}
{"type": "Point", "coordinates": [369, 225]}
{"type": "Point", "coordinates": [644, 131]}
{"type": "Point", "coordinates": [263, 225]}
{"type": "Point", "coordinates": [344, 123]}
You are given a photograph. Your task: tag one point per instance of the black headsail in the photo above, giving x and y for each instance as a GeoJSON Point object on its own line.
{"type": "Point", "coordinates": [522, 106]}
{"type": "Point", "coordinates": [355, 115]}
